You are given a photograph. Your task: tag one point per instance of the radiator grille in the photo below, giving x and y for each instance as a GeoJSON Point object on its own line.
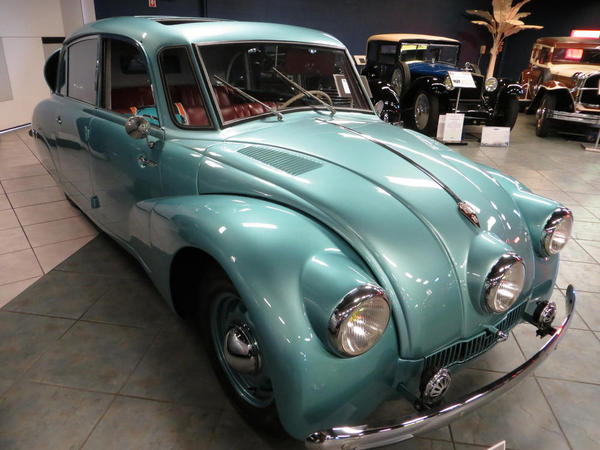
{"type": "Point", "coordinates": [289, 163]}
{"type": "Point", "coordinates": [591, 96]}
{"type": "Point", "coordinates": [466, 350]}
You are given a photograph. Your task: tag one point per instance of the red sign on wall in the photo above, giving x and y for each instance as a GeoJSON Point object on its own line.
{"type": "Point", "coordinates": [152, 3]}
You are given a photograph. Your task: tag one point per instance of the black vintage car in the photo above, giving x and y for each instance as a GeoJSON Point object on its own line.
{"type": "Point", "coordinates": [409, 77]}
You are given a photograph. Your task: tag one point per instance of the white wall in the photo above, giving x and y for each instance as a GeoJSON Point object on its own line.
{"type": "Point", "coordinates": [22, 25]}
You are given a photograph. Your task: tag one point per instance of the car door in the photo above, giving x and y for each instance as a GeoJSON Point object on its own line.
{"type": "Point", "coordinates": [124, 170]}
{"type": "Point", "coordinates": [74, 116]}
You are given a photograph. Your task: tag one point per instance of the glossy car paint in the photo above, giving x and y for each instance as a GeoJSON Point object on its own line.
{"type": "Point", "coordinates": [293, 245]}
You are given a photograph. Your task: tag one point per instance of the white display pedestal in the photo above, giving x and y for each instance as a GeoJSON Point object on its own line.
{"type": "Point", "coordinates": [495, 136]}
{"type": "Point", "coordinates": [450, 129]}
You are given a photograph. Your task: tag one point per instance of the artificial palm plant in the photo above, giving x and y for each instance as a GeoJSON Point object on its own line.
{"type": "Point", "coordinates": [503, 21]}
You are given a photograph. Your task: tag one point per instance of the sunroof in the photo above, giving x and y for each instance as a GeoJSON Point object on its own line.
{"type": "Point", "coordinates": [179, 20]}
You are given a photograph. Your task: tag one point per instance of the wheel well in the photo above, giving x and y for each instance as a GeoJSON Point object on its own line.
{"type": "Point", "coordinates": [187, 268]}
{"type": "Point", "coordinates": [564, 101]}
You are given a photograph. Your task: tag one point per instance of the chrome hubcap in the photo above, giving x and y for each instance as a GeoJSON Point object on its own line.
{"type": "Point", "coordinates": [421, 111]}
{"type": "Point", "coordinates": [241, 350]}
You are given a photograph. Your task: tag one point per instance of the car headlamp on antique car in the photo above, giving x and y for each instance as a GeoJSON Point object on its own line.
{"type": "Point", "coordinates": [557, 231]}
{"type": "Point", "coordinates": [359, 320]}
{"type": "Point", "coordinates": [504, 283]}
{"type": "Point", "coordinates": [491, 84]}
{"type": "Point", "coordinates": [448, 83]}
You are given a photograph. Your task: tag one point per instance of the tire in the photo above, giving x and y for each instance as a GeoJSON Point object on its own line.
{"type": "Point", "coordinates": [220, 310]}
{"type": "Point", "coordinates": [542, 124]}
{"type": "Point", "coordinates": [425, 113]}
{"type": "Point", "coordinates": [510, 113]}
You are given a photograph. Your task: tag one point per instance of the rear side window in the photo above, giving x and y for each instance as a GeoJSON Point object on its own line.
{"type": "Point", "coordinates": [81, 77]}
{"type": "Point", "coordinates": [127, 88]}
{"type": "Point", "coordinates": [185, 100]}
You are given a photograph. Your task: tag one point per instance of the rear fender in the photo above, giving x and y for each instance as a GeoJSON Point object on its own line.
{"type": "Point", "coordinates": [290, 272]}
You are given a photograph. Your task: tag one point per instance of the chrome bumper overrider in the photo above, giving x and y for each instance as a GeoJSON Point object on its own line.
{"type": "Point", "coordinates": [366, 436]}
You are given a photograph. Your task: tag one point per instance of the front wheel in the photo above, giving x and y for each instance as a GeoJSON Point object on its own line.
{"type": "Point", "coordinates": [235, 353]}
{"type": "Point", "coordinates": [510, 113]}
{"type": "Point", "coordinates": [426, 113]}
{"type": "Point", "coordinates": [542, 124]}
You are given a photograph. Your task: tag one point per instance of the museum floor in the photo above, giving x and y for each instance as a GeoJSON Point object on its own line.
{"type": "Point", "coordinates": [91, 357]}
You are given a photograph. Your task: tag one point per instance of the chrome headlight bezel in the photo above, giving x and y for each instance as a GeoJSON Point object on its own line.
{"type": "Point", "coordinates": [448, 83]}
{"type": "Point", "coordinates": [351, 304]}
{"type": "Point", "coordinates": [505, 265]}
{"type": "Point", "coordinates": [559, 217]}
{"type": "Point", "coordinates": [491, 84]}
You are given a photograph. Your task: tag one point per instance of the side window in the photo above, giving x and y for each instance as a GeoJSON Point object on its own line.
{"type": "Point", "coordinates": [387, 53]}
{"type": "Point", "coordinates": [81, 78]}
{"type": "Point", "coordinates": [544, 55]}
{"type": "Point", "coordinates": [372, 51]}
{"type": "Point", "coordinates": [126, 84]}
{"type": "Point", "coordinates": [185, 99]}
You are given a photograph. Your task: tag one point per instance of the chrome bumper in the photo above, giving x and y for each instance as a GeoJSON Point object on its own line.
{"type": "Point", "coordinates": [575, 117]}
{"type": "Point", "coordinates": [365, 436]}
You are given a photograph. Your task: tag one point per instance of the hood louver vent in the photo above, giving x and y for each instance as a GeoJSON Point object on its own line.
{"type": "Point", "coordinates": [286, 162]}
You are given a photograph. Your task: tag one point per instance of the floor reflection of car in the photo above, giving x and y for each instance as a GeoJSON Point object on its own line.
{"type": "Point", "coordinates": [415, 69]}
{"type": "Point", "coordinates": [331, 261]}
{"type": "Point", "coordinates": [562, 84]}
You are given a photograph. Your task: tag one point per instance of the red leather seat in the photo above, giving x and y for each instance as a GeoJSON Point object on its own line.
{"type": "Point", "coordinates": [122, 99]}
{"type": "Point", "coordinates": [233, 107]}
{"type": "Point", "coordinates": [190, 99]}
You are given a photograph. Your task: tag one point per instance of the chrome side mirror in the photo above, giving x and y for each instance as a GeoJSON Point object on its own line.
{"type": "Point", "coordinates": [137, 127]}
{"type": "Point", "coordinates": [379, 107]}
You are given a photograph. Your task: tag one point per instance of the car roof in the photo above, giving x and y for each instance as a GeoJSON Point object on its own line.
{"type": "Point", "coordinates": [567, 41]}
{"type": "Point", "coordinates": [161, 31]}
{"type": "Point", "coordinates": [396, 37]}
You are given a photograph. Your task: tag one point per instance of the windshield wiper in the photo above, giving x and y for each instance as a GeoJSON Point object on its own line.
{"type": "Point", "coordinates": [305, 92]}
{"type": "Point", "coordinates": [249, 97]}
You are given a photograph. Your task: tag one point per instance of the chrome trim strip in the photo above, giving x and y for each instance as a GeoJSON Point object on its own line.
{"type": "Point", "coordinates": [590, 119]}
{"type": "Point", "coordinates": [365, 436]}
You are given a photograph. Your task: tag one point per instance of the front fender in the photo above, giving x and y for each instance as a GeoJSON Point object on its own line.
{"type": "Point", "coordinates": [270, 252]}
{"type": "Point", "coordinates": [507, 88]}
{"type": "Point", "coordinates": [564, 98]}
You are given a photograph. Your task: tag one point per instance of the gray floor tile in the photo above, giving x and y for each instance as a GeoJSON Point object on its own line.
{"type": "Point", "coordinates": [93, 356]}
{"type": "Point", "coordinates": [521, 417]}
{"type": "Point", "coordinates": [576, 358]}
{"type": "Point", "coordinates": [420, 444]}
{"type": "Point", "coordinates": [102, 256]}
{"type": "Point", "coordinates": [575, 252]}
{"type": "Point", "coordinates": [558, 297]}
{"type": "Point", "coordinates": [5, 383]}
{"type": "Point", "coordinates": [144, 424]}
{"type": "Point", "coordinates": [24, 337]}
{"type": "Point", "coordinates": [592, 248]}
{"type": "Point", "coordinates": [61, 294]}
{"type": "Point", "coordinates": [35, 416]}
{"type": "Point", "coordinates": [177, 369]}
{"type": "Point", "coordinates": [582, 275]}
{"type": "Point", "coordinates": [588, 307]}
{"type": "Point", "coordinates": [131, 301]}
{"type": "Point", "coordinates": [577, 406]}
{"type": "Point", "coordinates": [589, 231]}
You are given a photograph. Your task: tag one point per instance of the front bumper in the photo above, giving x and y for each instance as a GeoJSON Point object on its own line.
{"type": "Point", "coordinates": [366, 436]}
{"type": "Point", "coordinates": [573, 117]}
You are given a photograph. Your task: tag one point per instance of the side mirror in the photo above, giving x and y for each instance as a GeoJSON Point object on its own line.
{"type": "Point", "coordinates": [379, 107]}
{"type": "Point", "coordinates": [137, 127]}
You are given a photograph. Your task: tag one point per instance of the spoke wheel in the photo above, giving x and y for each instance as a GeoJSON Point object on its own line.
{"type": "Point", "coordinates": [422, 111]}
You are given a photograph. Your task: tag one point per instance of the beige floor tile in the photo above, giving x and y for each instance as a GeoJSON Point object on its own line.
{"type": "Point", "coordinates": [59, 230]}
{"type": "Point", "coordinates": [15, 160]}
{"type": "Point", "coordinates": [572, 252]}
{"type": "Point", "coordinates": [36, 196]}
{"type": "Point", "coordinates": [17, 266]}
{"type": "Point", "coordinates": [27, 170]}
{"type": "Point", "coordinates": [51, 255]}
{"type": "Point", "coordinates": [45, 212]}
{"type": "Point", "coordinates": [4, 203]}
{"type": "Point", "coordinates": [12, 240]}
{"type": "Point", "coordinates": [8, 219]}
{"type": "Point", "coordinates": [583, 276]}
{"type": "Point", "coordinates": [11, 290]}
{"type": "Point", "coordinates": [592, 247]}
{"type": "Point", "coordinates": [27, 183]}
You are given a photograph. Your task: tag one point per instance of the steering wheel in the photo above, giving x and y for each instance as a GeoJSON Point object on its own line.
{"type": "Point", "coordinates": [297, 97]}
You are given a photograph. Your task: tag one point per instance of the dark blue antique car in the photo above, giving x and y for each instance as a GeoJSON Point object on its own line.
{"type": "Point", "coordinates": [409, 77]}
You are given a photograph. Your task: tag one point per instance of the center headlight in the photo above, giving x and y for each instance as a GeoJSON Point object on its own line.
{"type": "Point", "coordinates": [491, 84]}
{"type": "Point", "coordinates": [359, 320]}
{"type": "Point", "coordinates": [557, 231]}
{"type": "Point", "coordinates": [448, 83]}
{"type": "Point", "coordinates": [505, 282]}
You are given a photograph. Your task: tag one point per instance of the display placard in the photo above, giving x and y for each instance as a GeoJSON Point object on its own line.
{"type": "Point", "coordinates": [495, 136]}
{"type": "Point", "coordinates": [360, 60]}
{"type": "Point", "coordinates": [450, 128]}
{"type": "Point", "coordinates": [342, 85]}
{"type": "Point", "coordinates": [461, 79]}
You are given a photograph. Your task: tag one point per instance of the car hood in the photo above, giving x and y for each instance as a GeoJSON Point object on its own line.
{"type": "Point", "coordinates": [402, 222]}
{"type": "Point", "coordinates": [567, 70]}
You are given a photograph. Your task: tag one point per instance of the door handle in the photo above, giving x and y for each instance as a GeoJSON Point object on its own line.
{"type": "Point", "coordinates": [58, 120]}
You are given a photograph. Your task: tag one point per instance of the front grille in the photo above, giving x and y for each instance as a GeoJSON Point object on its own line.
{"type": "Point", "coordinates": [470, 93]}
{"type": "Point", "coordinates": [466, 350]}
{"type": "Point", "coordinates": [590, 95]}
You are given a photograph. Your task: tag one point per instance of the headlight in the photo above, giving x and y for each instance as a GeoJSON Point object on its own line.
{"type": "Point", "coordinates": [448, 83]}
{"type": "Point", "coordinates": [491, 84]}
{"type": "Point", "coordinates": [359, 320]}
{"type": "Point", "coordinates": [557, 231]}
{"type": "Point", "coordinates": [505, 282]}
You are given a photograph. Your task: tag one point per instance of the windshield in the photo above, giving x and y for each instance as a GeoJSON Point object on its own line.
{"type": "Point", "coordinates": [576, 55]}
{"type": "Point", "coordinates": [252, 79]}
{"type": "Point", "coordinates": [427, 52]}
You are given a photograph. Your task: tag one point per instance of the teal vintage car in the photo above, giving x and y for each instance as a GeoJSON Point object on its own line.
{"type": "Point", "coordinates": [333, 261]}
